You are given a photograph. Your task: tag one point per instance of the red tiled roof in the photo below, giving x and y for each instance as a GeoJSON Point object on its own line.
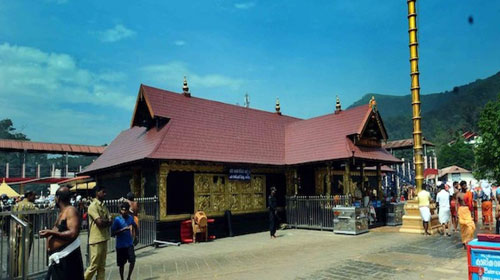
{"type": "Point", "coordinates": [17, 145]}
{"type": "Point", "coordinates": [130, 145]}
{"type": "Point", "coordinates": [205, 130]}
{"type": "Point", "coordinates": [324, 137]}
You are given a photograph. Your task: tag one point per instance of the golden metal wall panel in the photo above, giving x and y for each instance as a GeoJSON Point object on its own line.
{"type": "Point", "coordinates": [215, 193]}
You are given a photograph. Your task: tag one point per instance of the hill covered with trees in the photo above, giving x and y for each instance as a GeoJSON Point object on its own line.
{"type": "Point", "coordinates": [443, 114]}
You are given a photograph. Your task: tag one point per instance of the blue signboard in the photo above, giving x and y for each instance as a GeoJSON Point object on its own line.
{"type": "Point", "coordinates": [487, 259]}
{"type": "Point", "coordinates": [240, 174]}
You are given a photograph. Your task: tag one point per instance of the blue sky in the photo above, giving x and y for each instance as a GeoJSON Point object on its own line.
{"type": "Point", "coordinates": [70, 70]}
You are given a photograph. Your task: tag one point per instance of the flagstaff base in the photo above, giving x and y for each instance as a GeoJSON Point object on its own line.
{"type": "Point", "coordinates": [412, 221]}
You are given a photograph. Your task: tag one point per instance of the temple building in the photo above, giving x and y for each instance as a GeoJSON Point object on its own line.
{"type": "Point", "coordinates": [197, 154]}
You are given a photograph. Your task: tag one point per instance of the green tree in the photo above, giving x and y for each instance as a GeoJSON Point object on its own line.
{"type": "Point", "coordinates": [488, 150]}
{"type": "Point", "coordinates": [7, 131]}
{"type": "Point", "coordinates": [458, 153]}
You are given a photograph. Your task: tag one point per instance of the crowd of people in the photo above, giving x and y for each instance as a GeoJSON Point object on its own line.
{"type": "Point", "coordinates": [63, 242]}
{"type": "Point", "coordinates": [457, 206]}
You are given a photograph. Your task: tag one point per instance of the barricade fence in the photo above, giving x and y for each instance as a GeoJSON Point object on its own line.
{"type": "Point", "coordinates": [313, 212]}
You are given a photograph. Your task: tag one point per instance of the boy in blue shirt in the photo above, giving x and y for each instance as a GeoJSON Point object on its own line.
{"type": "Point", "coordinates": [122, 230]}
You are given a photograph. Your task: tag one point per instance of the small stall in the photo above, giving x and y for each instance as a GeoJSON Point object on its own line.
{"type": "Point", "coordinates": [395, 212]}
{"type": "Point", "coordinates": [350, 220]}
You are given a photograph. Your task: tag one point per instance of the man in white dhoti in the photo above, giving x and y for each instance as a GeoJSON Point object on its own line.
{"type": "Point", "coordinates": [444, 213]}
{"type": "Point", "coordinates": [424, 200]}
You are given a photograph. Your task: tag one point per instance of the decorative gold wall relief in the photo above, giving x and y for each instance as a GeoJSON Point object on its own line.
{"type": "Point", "coordinates": [257, 184]}
{"type": "Point", "coordinates": [234, 186]}
{"type": "Point", "coordinates": [246, 201]}
{"type": "Point", "coordinates": [234, 202]}
{"type": "Point", "coordinates": [202, 202]}
{"type": "Point", "coordinates": [202, 184]}
{"type": "Point", "coordinates": [218, 202]}
{"type": "Point", "coordinates": [215, 193]}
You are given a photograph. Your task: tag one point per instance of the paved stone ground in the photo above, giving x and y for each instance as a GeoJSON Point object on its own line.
{"type": "Point", "coordinates": [305, 254]}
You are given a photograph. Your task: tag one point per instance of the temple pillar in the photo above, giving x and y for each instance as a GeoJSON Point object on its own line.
{"type": "Point", "coordinates": [162, 191]}
{"type": "Point", "coordinates": [380, 192]}
{"type": "Point", "coordinates": [347, 178]}
{"type": "Point", "coordinates": [328, 179]}
{"type": "Point", "coordinates": [290, 182]}
{"type": "Point", "coordinates": [7, 170]}
{"type": "Point", "coordinates": [363, 177]}
{"type": "Point", "coordinates": [295, 181]}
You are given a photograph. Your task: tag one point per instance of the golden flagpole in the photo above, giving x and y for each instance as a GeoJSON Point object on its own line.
{"type": "Point", "coordinates": [415, 95]}
{"type": "Point", "coordinates": [412, 222]}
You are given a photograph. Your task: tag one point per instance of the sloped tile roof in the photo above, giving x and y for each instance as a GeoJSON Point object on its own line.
{"type": "Point", "coordinates": [30, 146]}
{"type": "Point", "coordinates": [324, 137]}
{"type": "Point", "coordinates": [205, 130]}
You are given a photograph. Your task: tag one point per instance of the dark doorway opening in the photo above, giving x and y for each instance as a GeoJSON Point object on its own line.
{"type": "Point", "coordinates": [180, 193]}
{"type": "Point", "coordinates": [306, 180]}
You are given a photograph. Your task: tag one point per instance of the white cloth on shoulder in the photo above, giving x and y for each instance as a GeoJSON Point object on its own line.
{"type": "Point", "coordinates": [55, 257]}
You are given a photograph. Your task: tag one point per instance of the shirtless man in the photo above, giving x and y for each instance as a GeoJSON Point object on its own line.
{"type": "Point", "coordinates": [63, 244]}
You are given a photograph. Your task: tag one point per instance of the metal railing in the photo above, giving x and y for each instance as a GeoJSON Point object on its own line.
{"type": "Point", "coordinates": [313, 212]}
{"type": "Point", "coordinates": [23, 254]}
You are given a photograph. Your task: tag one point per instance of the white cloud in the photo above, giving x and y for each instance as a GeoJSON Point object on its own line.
{"type": "Point", "coordinates": [179, 43]}
{"type": "Point", "coordinates": [172, 74]}
{"type": "Point", "coordinates": [53, 97]}
{"type": "Point", "coordinates": [31, 73]}
{"type": "Point", "coordinates": [116, 33]}
{"type": "Point", "coordinates": [244, 5]}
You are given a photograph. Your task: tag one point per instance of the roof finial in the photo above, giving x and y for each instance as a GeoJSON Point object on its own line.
{"type": "Point", "coordinates": [278, 107]}
{"type": "Point", "coordinates": [338, 107]}
{"type": "Point", "coordinates": [185, 88]}
{"type": "Point", "coordinates": [373, 104]}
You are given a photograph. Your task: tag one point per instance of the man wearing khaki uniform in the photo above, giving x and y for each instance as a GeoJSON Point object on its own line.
{"type": "Point", "coordinates": [100, 221]}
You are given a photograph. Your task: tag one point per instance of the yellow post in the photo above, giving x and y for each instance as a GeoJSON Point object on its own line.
{"type": "Point", "coordinates": [412, 222]}
{"type": "Point", "coordinates": [415, 95]}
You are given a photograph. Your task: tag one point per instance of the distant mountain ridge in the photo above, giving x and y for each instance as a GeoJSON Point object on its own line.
{"type": "Point", "coordinates": [443, 114]}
